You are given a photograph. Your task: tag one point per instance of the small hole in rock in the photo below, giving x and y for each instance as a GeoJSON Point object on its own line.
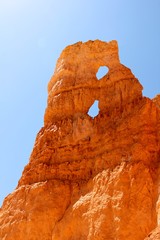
{"type": "Point", "coordinates": [94, 110]}
{"type": "Point", "coordinates": [102, 71]}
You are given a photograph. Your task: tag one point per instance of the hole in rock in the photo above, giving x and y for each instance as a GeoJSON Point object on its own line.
{"type": "Point", "coordinates": [102, 71]}
{"type": "Point", "coordinates": [94, 110]}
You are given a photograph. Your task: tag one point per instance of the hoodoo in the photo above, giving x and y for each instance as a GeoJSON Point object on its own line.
{"type": "Point", "coordinates": [90, 178]}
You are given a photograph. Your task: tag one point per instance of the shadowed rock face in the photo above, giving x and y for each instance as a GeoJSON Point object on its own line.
{"type": "Point", "coordinates": [90, 178]}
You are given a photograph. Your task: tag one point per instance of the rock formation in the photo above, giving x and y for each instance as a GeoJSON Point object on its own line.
{"type": "Point", "coordinates": [90, 178]}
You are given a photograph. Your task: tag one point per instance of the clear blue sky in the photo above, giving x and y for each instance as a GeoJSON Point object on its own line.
{"type": "Point", "coordinates": [34, 32]}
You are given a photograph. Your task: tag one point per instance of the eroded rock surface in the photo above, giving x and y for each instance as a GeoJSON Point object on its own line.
{"type": "Point", "coordinates": [90, 178]}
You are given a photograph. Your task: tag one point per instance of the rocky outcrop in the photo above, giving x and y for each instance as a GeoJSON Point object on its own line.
{"type": "Point", "coordinates": [156, 100]}
{"type": "Point", "coordinates": [155, 234]}
{"type": "Point", "coordinates": [90, 178]}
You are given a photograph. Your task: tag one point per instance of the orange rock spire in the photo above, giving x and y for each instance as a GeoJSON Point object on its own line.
{"type": "Point", "coordinates": [90, 178]}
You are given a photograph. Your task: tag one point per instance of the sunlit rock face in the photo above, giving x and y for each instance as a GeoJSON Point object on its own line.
{"type": "Point", "coordinates": [90, 178]}
{"type": "Point", "coordinates": [74, 86]}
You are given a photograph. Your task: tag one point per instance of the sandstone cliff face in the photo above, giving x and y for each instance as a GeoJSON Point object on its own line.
{"type": "Point", "coordinates": [90, 178]}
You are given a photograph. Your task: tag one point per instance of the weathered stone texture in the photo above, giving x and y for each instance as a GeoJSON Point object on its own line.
{"type": "Point", "coordinates": [90, 178]}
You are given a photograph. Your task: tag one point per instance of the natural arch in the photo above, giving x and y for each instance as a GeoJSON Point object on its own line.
{"type": "Point", "coordinates": [94, 110]}
{"type": "Point", "coordinates": [102, 71]}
